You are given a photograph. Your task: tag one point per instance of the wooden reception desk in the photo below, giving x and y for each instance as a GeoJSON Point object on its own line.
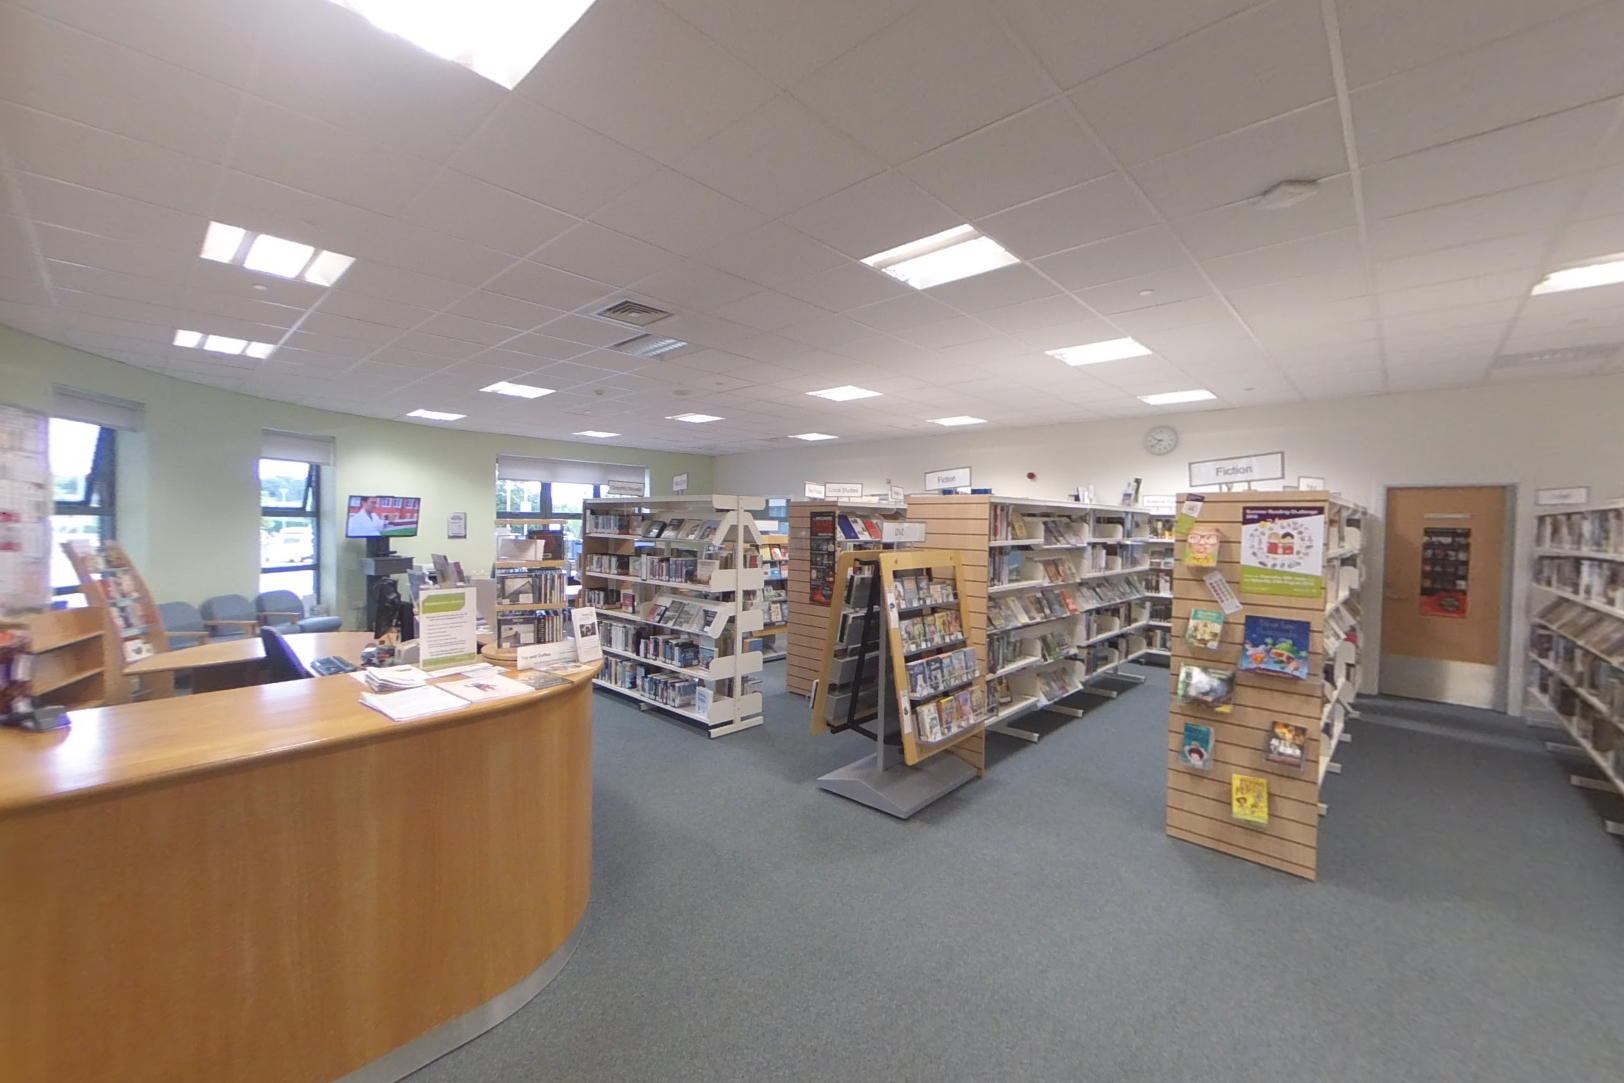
{"type": "Point", "coordinates": [275, 883]}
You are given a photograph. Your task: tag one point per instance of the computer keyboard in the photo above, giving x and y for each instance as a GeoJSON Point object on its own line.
{"type": "Point", "coordinates": [327, 667]}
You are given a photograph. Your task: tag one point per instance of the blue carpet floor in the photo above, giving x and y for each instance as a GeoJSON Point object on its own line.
{"type": "Point", "coordinates": [1037, 925]}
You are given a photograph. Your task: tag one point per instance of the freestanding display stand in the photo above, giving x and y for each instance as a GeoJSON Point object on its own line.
{"type": "Point", "coordinates": [1208, 747]}
{"type": "Point", "coordinates": [899, 670]}
{"type": "Point", "coordinates": [819, 531]}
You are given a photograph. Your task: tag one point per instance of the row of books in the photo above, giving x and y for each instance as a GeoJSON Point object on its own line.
{"type": "Point", "coordinates": [1589, 724]}
{"type": "Point", "coordinates": [949, 716]}
{"type": "Point", "coordinates": [685, 615]}
{"type": "Point", "coordinates": [775, 609]}
{"type": "Point", "coordinates": [627, 525]}
{"type": "Point", "coordinates": [1011, 611]}
{"type": "Point", "coordinates": [1599, 581]}
{"type": "Point", "coordinates": [1011, 524]}
{"type": "Point", "coordinates": [934, 675]}
{"type": "Point", "coordinates": [1600, 531]}
{"type": "Point", "coordinates": [665, 688]}
{"type": "Point", "coordinates": [698, 530]}
{"type": "Point", "coordinates": [1582, 668]}
{"type": "Point", "coordinates": [542, 587]}
{"type": "Point", "coordinates": [939, 629]}
{"type": "Point", "coordinates": [922, 589]}
{"type": "Point", "coordinates": [624, 601]}
{"type": "Point", "coordinates": [526, 629]}
{"type": "Point", "coordinates": [1590, 629]}
{"type": "Point", "coordinates": [853, 528]}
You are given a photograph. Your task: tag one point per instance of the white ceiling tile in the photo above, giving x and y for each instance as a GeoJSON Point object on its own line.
{"type": "Point", "coordinates": [999, 288]}
{"type": "Point", "coordinates": [779, 159]}
{"type": "Point", "coordinates": [1058, 335]}
{"type": "Point", "coordinates": [1299, 293]}
{"type": "Point", "coordinates": [332, 65]}
{"type": "Point", "coordinates": [1522, 252]}
{"type": "Point", "coordinates": [768, 311]}
{"type": "Point", "coordinates": [345, 300]}
{"type": "Point", "coordinates": [1468, 315]}
{"type": "Point", "coordinates": [1507, 285]}
{"type": "Point", "coordinates": [593, 252]}
{"type": "Point", "coordinates": [1076, 41]}
{"type": "Point", "coordinates": [1153, 249]}
{"type": "Point", "coordinates": [1270, 60]}
{"type": "Point", "coordinates": [1340, 251]}
{"type": "Point", "coordinates": [772, 254]}
{"type": "Point", "coordinates": [1383, 37]}
{"type": "Point", "coordinates": [215, 39]}
{"type": "Point", "coordinates": [962, 73]}
{"type": "Point", "coordinates": [484, 214]}
{"type": "Point", "coordinates": [1030, 318]}
{"type": "Point", "coordinates": [532, 150]}
{"type": "Point", "coordinates": [693, 286]}
{"type": "Point", "coordinates": [114, 217]}
{"type": "Point", "coordinates": [952, 332]}
{"type": "Point", "coordinates": [873, 216]}
{"type": "Point", "coordinates": [1605, 195]}
{"type": "Point", "coordinates": [1102, 208]}
{"type": "Point", "coordinates": [503, 311]}
{"type": "Point", "coordinates": [700, 329]}
{"type": "Point", "coordinates": [1170, 315]}
{"type": "Point", "coordinates": [1501, 214]}
{"type": "Point", "coordinates": [901, 313]}
{"type": "Point", "coordinates": [549, 286]}
{"type": "Point", "coordinates": [1241, 227]}
{"type": "Point", "coordinates": [827, 331]}
{"type": "Point", "coordinates": [1560, 65]}
{"type": "Point", "coordinates": [849, 286]}
{"type": "Point", "coordinates": [1147, 291]}
{"type": "Point", "coordinates": [1235, 168]}
{"type": "Point", "coordinates": [1574, 303]}
{"type": "Point", "coordinates": [1589, 239]}
{"type": "Point", "coordinates": [1522, 154]}
{"type": "Point", "coordinates": [667, 89]}
{"type": "Point", "coordinates": [466, 330]}
{"type": "Point", "coordinates": [1031, 154]}
{"type": "Point", "coordinates": [425, 251]}
{"type": "Point", "coordinates": [678, 213]}
{"type": "Point", "coordinates": [788, 39]}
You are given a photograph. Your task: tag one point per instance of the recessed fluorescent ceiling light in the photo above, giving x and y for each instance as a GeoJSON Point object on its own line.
{"type": "Point", "coordinates": [1169, 398]}
{"type": "Point", "coordinates": [1607, 273]}
{"type": "Point", "coordinates": [812, 436]}
{"type": "Point", "coordinates": [499, 39]}
{"type": "Point", "coordinates": [518, 391]}
{"type": "Point", "coordinates": [961, 419]}
{"type": "Point", "coordinates": [197, 340]}
{"type": "Point", "coordinates": [273, 255]}
{"type": "Point", "coordinates": [844, 393]}
{"type": "Point", "coordinates": [596, 433]}
{"type": "Point", "coordinates": [695, 419]}
{"type": "Point", "coordinates": [436, 415]}
{"type": "Point", "coordinates": [942, 257]}
{"type": "Point", "coordinates": [1094, 352]}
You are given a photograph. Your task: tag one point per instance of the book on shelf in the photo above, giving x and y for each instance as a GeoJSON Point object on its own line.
{"type": "Point", "coordinates": [1206, 629]}
{"type": "Point", "coordinates": [1276, 645]}
{"type": "Point", "coordinates": [1201, 547]}
{"type": "Point", "coordinates": [1249, 799]}
{"type": "Point", "coordinates": [1285, 744]}
{"type": "Point", "coordinates": [1195, 750]}
{"type": "Point", "coordinates": [1207, 686]}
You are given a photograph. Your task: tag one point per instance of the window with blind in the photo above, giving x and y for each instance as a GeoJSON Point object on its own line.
{"type": "Point", "coordinates": [290, 510]}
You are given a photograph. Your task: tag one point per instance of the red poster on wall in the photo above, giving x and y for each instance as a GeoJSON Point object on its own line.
{"type": "Point", "coordinates": [1446, 557]}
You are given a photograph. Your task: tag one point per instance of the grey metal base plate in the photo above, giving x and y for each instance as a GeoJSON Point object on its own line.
{"type": "Point", "coordinates": [900, 790]}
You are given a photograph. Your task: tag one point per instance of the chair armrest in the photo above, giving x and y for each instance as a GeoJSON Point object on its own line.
{"type": "Point", "coordinates": [293, 618]}
{"type": "Point", "coordinates": [253, 624]}
{"type": "Point", "coordinates": [198, 637]}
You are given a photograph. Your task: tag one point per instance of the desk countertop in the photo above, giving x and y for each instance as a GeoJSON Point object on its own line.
{"type": "Point", "coordinates": [308, 646]}
{"type": "Point", "coordinates": [133, 744]}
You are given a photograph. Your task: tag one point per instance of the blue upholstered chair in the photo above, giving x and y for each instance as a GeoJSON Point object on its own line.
{"type": "Point", "coordinates": [283, 610]}
{"type": "Point", "coordinates": [230, 616]}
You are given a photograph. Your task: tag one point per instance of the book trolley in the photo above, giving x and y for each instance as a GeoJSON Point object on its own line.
{"type": "Point", "coordinates": [679, 581]}
{"type": "Point", "coordinates": [819, 531]}
{"type": "Point", "coordinates": [1054, 597]}
{"type": "Point", "coordinates": [1287, 713]}
{"type": "Point", "coordinates": [900, 671]}
{"type": "Point", "coordinates": [1576, 647]}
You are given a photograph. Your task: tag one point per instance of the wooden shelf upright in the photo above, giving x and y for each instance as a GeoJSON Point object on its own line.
{"type": "Point", "coordinates": [811, 567]}
{"type": "Point", "coordinates": [132, 629]}
{"type": "Point", "coordinates": [1199, 800]}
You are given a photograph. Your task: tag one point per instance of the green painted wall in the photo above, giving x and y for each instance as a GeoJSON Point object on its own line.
{"type": "Point", "coordinates": [188, 507]}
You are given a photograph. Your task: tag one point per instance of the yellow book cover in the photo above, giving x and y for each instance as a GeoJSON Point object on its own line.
{"type": "Point", "coordinates": [1201, 548]}
{"type": "Point", "coordinates": [1249, 799]}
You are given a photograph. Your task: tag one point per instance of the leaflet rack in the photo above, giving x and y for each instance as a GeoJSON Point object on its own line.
{"type": "Point", "coordinates": [917, 690]}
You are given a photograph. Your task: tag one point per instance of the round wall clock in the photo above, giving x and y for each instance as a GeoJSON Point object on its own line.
{"type": "Point", "coordinates": [1161, 440]}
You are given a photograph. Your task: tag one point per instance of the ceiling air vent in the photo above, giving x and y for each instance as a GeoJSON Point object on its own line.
{"type": "Point", "coordinates": [1610, 353]}
{"type": "Point", "coordinates": [638, 315]}
{"type": "Point", "coordinates": [648, 345]}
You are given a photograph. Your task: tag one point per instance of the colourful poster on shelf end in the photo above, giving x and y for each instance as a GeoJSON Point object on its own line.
{"type": "Point", "coordinates": [1283, 550]}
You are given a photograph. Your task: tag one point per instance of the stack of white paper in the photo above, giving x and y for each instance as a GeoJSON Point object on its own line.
{"type": "Point", "coordinates": [392, 678]}
{"type": "Point", "coordinates": [480, 689]}
{"type": "Point", "coordinates": [413, 703]}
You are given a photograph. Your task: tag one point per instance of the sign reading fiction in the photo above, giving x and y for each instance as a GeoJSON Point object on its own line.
{"type": "Point", "coordinates": [957, 477]}
{"type": "Point", "coordinates": [843, 490]}
{"type": "Point", "coordinates": [1269, 467]}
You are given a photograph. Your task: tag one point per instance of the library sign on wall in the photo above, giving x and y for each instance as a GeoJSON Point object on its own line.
{"type": "Point", "coordinates": [1243, 468]}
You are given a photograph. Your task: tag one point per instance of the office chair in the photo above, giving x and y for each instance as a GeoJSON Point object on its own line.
{"type": "Point", "coordinates": [280, 662]}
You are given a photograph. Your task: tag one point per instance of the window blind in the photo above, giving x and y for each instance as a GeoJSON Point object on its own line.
{"type": "Point", "coordinates": [95, 409]}
{"type": "Point", "coordinates": [568, 471]}
{"type": "Point", "coordinates": [296, 447]}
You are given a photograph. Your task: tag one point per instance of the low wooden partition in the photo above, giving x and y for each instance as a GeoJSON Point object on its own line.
{"type": "Point", "coordinates": [276, 883]}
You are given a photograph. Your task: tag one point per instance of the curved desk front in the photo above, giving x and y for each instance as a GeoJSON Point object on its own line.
{"type": "Point", "coordinates": [276, 883]}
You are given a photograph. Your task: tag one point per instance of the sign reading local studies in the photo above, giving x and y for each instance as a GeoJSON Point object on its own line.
{"type": "Point", "coordinates": [445, 628]}
{"type": "Point", "coordinates": [1283, 550]}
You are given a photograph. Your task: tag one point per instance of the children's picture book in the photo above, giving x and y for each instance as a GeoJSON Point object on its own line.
{"type": "Point", "coordinates": [1249, 799]}
{"type": "Point", "coordinates": [1206, 629]}
{"type": "Point", "coordinates": [1201, 547]}
{"type": "Point", "coordinates": [1207, 686]}
{"type": "Point", "coordinates": [1276, 645]}
{"type": "Point", "coordinates": [1189, 512]}
{"type": "Point", "coordinates": [1285, 744]}
{"type": "Point", "coordinates": [1196, 748]}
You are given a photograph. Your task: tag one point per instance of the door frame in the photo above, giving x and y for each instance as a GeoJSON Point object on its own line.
{"type": "Point", "coordinates": [1512, 594]}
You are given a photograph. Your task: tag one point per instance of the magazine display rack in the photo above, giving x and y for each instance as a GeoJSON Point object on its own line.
{"type": "Point", "coordinates": [1576, 648]}
{"type": "Point", "coordinates": [531, 577]}
{"type": "Point", "coordinates": [819, 531]}
{"type": "Point", "coordinates": [1246, 780]}
{"type": "Point", "coordinates": [132, 630]}
{"type": "Point", "coordinates": [900, 671]}
{"type": "Point", "coordinates": [680, 582]}
{"type": "Point", "coordinates": [1054, 597]}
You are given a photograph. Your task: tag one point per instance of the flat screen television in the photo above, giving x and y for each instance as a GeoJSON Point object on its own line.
{"type": "Point", "coordinates": [382, 517]}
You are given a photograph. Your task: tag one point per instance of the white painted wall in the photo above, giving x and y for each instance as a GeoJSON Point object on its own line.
{"type": "Point", "coordinates": [1532, 435]}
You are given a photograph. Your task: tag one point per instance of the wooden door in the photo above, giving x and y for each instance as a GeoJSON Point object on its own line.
{"type": "Point", "coordinates": [1443, 592]}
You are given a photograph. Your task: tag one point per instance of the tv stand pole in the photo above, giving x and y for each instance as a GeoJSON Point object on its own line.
{"type": "Point", "coordinates": [381, 562]}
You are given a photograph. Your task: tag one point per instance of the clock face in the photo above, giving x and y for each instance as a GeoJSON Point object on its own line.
{"type": "Point", "coordinates": [1161, 440]}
